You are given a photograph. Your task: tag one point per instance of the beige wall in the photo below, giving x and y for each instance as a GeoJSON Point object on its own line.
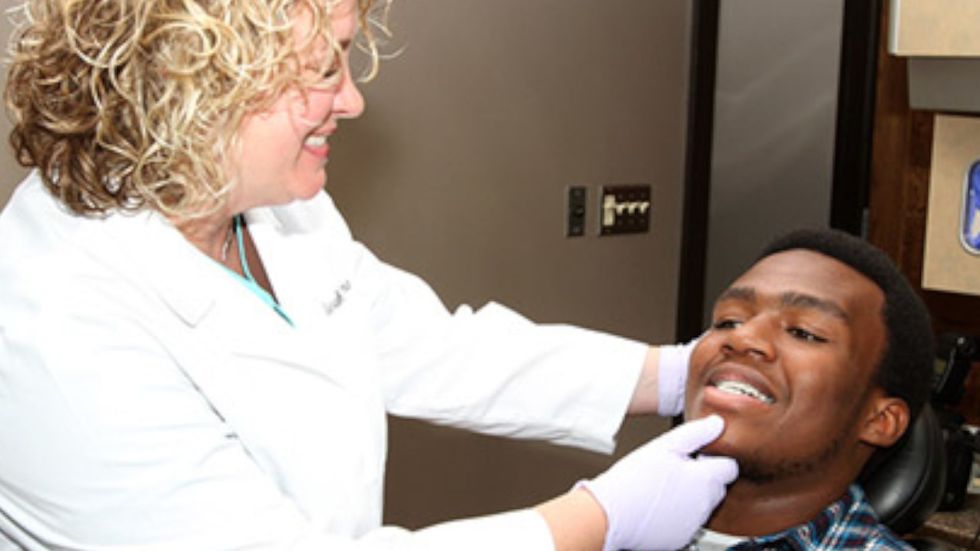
{"type": "Point", "coordinates": [457, 172]}
{"type": "Point", "coordinates": [458, 168]}
{"type": "Point", "coordinates": [11, 171]}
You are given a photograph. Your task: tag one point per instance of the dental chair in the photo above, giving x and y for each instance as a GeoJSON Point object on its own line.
{"type": "Point", "coordinates": [907, 485]}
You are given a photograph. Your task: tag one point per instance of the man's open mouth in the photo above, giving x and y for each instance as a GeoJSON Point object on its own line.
{"type": "Point", "coordinates": [743, 388]}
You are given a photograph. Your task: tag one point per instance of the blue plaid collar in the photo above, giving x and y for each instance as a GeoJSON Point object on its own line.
{"type": "Point", "coordinates": [849, 523]}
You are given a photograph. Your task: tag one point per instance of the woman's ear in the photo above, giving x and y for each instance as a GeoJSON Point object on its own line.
{"type": "Point", "coordinates": [885, 420]}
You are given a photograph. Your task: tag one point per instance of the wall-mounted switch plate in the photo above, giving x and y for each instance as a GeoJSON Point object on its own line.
{"type": "Point", "coordinates": [575, 225]}
{"type": "Point", "coordinates": [624, 209]}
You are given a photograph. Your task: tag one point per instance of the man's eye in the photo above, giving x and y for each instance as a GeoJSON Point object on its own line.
{"type": "Point", "coordinates": [725, 324]}
{"type": "Point", "coordinates": [804, 335]}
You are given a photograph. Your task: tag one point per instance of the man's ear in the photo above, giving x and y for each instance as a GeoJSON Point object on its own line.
{"type": "Point", "coordinates": [885, 420]}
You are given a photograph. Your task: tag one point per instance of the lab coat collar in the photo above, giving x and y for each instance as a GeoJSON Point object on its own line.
{"type": "Point", "coordinates": [177, 271]}
{"type": "Point", "coordinates": [201, 293]}
{"type": "Point", "coordinates": [142, 247]}
{"type": "Point", "coordinates": [195, 287]}
{"type": "Point", "coordinates": [146, 248]}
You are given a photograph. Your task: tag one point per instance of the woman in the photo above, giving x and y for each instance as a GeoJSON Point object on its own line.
{"type": "Point", "coordinates": [194, 353]}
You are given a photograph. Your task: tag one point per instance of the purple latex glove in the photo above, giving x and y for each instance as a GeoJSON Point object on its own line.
{"type": "Point", "coordinates": [658, 496]}
{"type": "Point", "coordinates": [672, 377]}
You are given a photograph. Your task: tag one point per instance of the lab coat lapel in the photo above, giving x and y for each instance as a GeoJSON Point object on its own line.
{"type": "Point", "coordinates": [309, 290]}
{"type": "Point", "coordinates": [260, 334]}
{"type": "Point", "coordinates": [203, 294]}
{"type": "Point", "coordinates": [296, 254]}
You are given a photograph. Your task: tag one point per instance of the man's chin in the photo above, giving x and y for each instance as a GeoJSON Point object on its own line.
{"type": "Point", "coordinates": [748, 469]}
{"type": "Point", "coordinates": [693, 412]}
{"type": "Point", "coordinates": [721, 446]}
{"type": "Point", "coordinates": [726, 444]}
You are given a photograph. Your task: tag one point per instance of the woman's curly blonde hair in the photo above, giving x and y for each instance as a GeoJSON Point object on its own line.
{"type": "Point", "coordinates": [131, 104]}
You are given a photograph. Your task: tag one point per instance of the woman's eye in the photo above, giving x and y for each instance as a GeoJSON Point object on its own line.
{"type": "Point", "coordinates": [331, 72]}
{"type": "Point", "coordinates": [804, 335]}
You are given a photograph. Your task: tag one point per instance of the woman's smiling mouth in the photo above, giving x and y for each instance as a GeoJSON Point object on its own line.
{"type": "Point", "coordinates": [317, 145]}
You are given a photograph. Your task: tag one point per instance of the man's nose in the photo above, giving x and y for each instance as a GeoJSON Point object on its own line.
{"type": "Point", "coordinates": [753, 337]}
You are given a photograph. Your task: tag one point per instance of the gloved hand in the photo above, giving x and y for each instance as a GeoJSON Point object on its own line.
{"type": "Point", "coordinates": [672, 377]}
{"type": "Point", "coordinates": [658, 496]}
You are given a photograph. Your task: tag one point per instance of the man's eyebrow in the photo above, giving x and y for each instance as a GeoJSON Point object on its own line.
{"type": "Point", "coordinates": [802, 300]}
{"type": "Point", "coordinates": [737, 293]}
{"type": "Point", "coordinates": [791, 298]}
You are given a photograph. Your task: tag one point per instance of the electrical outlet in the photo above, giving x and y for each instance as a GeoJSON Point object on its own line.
{"type": "Point", "coordinates": [575, 225]}
{"type": "Point", "coordinates": [624, 209]}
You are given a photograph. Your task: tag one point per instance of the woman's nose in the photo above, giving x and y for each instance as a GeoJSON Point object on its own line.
{"type": "Point", "coordinates": [753, 337]}
{"type": "Point", "coordinates": [349, 102]}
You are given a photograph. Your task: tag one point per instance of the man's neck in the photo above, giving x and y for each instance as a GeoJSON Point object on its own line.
{"type": "Point", "coordinates": [751, 509]}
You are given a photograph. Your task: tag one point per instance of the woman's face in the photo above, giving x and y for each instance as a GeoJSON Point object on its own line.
{"type": "Point", "coordinates": [283, 150]}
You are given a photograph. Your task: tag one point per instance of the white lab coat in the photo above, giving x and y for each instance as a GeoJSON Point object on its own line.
{"type": "Point", "coordinates": [148, 400]}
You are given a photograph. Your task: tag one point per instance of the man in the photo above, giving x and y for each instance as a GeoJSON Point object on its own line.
{"type": "Point", "coordinates": [817, 357]}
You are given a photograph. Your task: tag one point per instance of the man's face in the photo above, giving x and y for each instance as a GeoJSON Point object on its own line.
{"type": "Point", "coordinates": [788, 363]}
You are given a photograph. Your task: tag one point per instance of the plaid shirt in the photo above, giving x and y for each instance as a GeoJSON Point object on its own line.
{"type": "Point", "coordinates": [847, 524]}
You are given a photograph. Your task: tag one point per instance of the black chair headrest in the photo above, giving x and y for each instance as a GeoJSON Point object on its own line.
{"type": "Point", "coordinates": [907, 486]}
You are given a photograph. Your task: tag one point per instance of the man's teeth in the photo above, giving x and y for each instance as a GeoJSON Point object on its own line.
{"type": "Point", "coordinates": [744, 389]}
{"type": "Point", "coordinates": [316, 141]}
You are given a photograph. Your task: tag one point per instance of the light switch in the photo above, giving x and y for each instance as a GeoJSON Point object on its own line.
{"type": "Point", "coordinates": [624, 209]}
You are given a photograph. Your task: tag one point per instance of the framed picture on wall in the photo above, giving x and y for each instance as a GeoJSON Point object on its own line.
{"type": "Point", "coordinates": [951, 260]}
{"type": "Point", "coordinates": [970, 210]}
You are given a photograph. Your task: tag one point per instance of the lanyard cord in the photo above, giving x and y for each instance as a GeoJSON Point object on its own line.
{"type": "Point", "coordinates": [249, 281]}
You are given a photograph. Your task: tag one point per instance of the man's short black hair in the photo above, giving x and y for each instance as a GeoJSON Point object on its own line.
{"type": "Point", "coordinates": [905, 369]}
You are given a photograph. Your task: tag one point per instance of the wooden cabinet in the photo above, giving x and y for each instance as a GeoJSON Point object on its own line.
{"type": "Point", "coordinates": [898, 199]}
